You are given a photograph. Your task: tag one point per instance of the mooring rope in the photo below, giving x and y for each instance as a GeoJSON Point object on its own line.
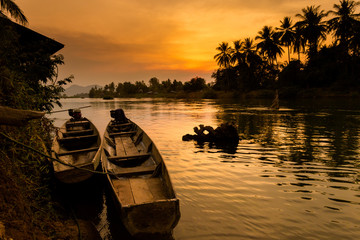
{"type": "Point", "coordinates": [51, 158]}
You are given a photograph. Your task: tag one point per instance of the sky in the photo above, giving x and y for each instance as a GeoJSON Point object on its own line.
{"type": "Point", "coordinates": [133, 40]}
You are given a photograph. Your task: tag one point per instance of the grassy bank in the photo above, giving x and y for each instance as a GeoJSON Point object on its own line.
{"type": "Point", "coordinates": [27, 209]}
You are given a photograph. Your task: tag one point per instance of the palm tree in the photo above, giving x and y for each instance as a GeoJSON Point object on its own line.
{"type": "Point", "coordinates": [14, 11]}
{"type": "Point", "coordinates": [354, 41]}
{"type": "Point", "coordinates": [299, 42]}
{"type": "Point", "coordinates": [287, 35]}
{"type": "Point", "coordinates": [269, 45]}
{"type": "Point", "coordinates": [343, 22]}
{"type": "Point", "coordinates": [312, 27]}
{"type": "Point", "coordinates": [249, 50]}
{"type": "Point", "coordinates": [237, 55]}
{"type": "Point", "coordinates": [223, 58]}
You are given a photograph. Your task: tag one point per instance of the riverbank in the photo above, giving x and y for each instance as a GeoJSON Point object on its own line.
{"type": "Point", "coordinates": [284, 93]}
{"type": "Point", "coordinates": [28, 209]}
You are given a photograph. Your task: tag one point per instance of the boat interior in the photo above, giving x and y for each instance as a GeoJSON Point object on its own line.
{"type": "Point", "coordinates": [78, 142]}
{"type": "Point", "coordinates": [137, 165]}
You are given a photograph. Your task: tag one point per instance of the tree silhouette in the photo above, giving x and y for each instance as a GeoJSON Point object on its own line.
{"type": "Point", "coordinates": [269, 45]}
{"type": "Point", "coordinates": [312, 27]}
{"type": "Point", "coordinates": [249, 50]}
{"type": "Point", "coordinates": [223, 58]}
{"type": "Point", "coordinates": [238, 56]}
{"type": "Point", "coordinates": [299, 41]}
{"type": "Point", "coordinates": [287, 34]}
{"type": "Point", "coordinates": [10, 7]}
{"type": "Point", "coordinates": [344, 22]}
{"type": "Point", "coordinates": [354, 41]}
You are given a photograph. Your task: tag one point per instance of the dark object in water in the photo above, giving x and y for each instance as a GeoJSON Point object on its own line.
{"type": "Point", "coordinates": [226, 133]}
{"type": "Point", "coordinates": [108, 98]}
{"type": "Point", "coordinates": [275, 102]}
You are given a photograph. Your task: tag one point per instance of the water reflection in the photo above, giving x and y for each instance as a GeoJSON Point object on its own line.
{"type": "Point", "coordinates": [220, 147]}
{"type": "Point", "coordinates": [293, 175]}
{"type": "Point", "coordinates": [332, 138]}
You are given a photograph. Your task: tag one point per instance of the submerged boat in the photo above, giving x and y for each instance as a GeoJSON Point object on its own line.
{"type": "Point", "coordinates": [138, 178]}
{"type": "Point", "coordinates": [77, 143]}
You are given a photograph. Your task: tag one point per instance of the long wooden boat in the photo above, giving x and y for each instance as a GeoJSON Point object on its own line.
{"type": "Point", "coordinates": [77, 143]}
{"type": "Point", "coordinates": [139, 180]}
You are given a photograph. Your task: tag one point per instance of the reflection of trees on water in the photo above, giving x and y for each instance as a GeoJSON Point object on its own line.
{"type": "Point", "coordinates": [331, 138]}
{"type": "Point", "coordinates": [223, 147]}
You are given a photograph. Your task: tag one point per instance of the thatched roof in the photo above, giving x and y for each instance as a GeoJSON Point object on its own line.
{"type": "Point", "coordinates": [31, 40]}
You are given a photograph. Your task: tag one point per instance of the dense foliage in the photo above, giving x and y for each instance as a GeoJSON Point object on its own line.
{"type": "Point", "coordinates": [28, 80]}
{"type": "Point", "coordinates": [154, 87]}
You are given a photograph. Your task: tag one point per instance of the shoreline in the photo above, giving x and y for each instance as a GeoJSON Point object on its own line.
{"type": "Point", "coordinates": [285, 93]}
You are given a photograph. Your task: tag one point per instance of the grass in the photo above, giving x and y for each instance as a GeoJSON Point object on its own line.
{"type": "Point", "coordinates": [27, 209]}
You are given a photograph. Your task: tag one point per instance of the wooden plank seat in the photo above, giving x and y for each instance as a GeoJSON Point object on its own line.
{"type": "Point", "coordinates": [141, 170]}
{"type": "Point", "coordinates": [78, 132]}
{"type": "Point", "coordinates": [120, 125]}
{"type": "Point", "coordinates": [121, 133]}
{"type": "Point", "coordinates": [77, 138]}
{"type": "Point", "coordinates": [140, 190]}
{"type": "Point", "coordinates": [129, 158]}
{"type": "Point", "coordinates": [92, 149]}
{"type": "Point", "coordinates": [85, 124]}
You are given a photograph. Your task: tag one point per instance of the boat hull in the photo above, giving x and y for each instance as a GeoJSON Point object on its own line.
{"type": "Point", "coordinates": [146, 203]}
{"type": "Point", "coordinates": [151, 218]}
{"type": "Point", "coordinates": [80, 148]}
{"type": "Point", "coordinates": [78, 175]}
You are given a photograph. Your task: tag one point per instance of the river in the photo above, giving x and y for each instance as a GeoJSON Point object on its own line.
{"type": "Point", "coordinates": [293, 175]}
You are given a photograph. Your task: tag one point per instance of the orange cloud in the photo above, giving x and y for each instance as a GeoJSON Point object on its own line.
{"type": "Point", "coordinates": [133, 40]}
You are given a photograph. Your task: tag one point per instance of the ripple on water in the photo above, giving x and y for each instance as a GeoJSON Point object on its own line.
{"type": "Point", "coordinates": [295, 175]}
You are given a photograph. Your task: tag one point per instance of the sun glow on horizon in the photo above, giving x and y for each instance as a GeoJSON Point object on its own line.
{"type": "Point", "coordinates": [129, 41]}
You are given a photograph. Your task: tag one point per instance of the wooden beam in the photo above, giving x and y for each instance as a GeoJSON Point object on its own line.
{"type": "Point", "coordinates": [17, 117]}
{"type": "Point", "coordinates": [121, 125]}
{"type": "Point", "coordinates": [77, 123]}
{"type": "Point", "coordinates": [128, 157]}
{"type": "Point", "coordinates": [78, 151]}
{"type": "Point", "coordinates": [135, 171]}
{"type": "Point", "coordinates": [121, 133]}
{"type": "Point", "coordinates": [67, 139]}
{"type": "Point", "coordinates": [78, 132]}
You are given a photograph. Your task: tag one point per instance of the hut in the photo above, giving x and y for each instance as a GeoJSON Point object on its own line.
{"type": "Point", "coordinates": [30, 40]}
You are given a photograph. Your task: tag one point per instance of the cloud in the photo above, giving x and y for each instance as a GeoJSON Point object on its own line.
{"type": "Point", "coordinates": [94, 58]}
{"type": "Point", "coordinates": [134, 39]}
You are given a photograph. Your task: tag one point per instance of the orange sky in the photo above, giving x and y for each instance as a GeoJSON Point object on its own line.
{"type": "Point", "coordinates": [134, 40]}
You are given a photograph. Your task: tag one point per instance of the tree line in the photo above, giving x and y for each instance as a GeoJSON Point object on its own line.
{"type": "Point", "coordinates": [323, 51]}
{"type": "Point", "coordinates": [329, 42]}
{"type": "Point", "coordinates": [153, 87]}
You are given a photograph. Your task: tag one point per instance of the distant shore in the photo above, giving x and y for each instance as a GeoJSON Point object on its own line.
{"type": "Point", "coordinates": [288, 93]}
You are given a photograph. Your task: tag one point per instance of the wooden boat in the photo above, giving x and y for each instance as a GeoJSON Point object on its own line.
{"type": "Point", "coordinates": [139, 180]}
{"type": "Point", "coordinates": [77, 143]}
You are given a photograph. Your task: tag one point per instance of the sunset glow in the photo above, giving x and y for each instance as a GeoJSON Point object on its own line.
{"type": "Point", "coordinates": [121, 41]}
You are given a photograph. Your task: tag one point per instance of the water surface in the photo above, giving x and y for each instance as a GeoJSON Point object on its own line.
{"type": "Point", "coordinates": [294, 174]}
